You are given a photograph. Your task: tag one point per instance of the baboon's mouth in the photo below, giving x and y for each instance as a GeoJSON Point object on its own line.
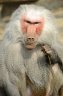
{"type": "Point", "coordinates": [30, 46]}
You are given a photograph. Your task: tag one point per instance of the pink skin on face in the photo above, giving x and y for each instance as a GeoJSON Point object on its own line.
{"type": "Point", "coordinates": [33, 28]}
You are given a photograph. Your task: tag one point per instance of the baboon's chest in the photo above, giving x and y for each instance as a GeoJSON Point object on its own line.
{"type": "Point", "coordinates": [36, 72]}
{"type": "Point", "coordinates": [32, 65]}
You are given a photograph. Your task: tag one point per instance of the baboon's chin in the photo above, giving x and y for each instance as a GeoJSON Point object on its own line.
{"type": "Point", "coordinates": [30, 46]}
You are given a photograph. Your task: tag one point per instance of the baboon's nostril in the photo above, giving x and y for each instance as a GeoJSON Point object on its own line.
{"type": "Point", "coordinates": [30, 39]}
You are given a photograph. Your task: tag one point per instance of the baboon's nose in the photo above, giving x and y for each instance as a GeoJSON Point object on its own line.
{"type": "Point", "coordinates": [30, 39]}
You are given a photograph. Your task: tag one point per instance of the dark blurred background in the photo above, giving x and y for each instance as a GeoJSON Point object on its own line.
{"type": "Point", "coordinates": [8, 6]}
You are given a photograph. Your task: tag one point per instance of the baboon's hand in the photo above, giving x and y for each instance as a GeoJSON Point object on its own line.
{"type": "Point", "coordinates": [48, 50]}
{"type": "Point", "coordinates": [50, 54]}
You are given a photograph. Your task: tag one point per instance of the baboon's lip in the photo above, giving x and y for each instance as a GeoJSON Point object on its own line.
{"type": "Point", "coordinates": [30, 46]}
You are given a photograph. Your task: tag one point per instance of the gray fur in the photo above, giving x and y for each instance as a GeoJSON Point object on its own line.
{"type": "Point", "coordinates": [15, 60]}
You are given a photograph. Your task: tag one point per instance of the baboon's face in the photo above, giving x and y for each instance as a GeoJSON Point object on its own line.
{"type": "Point", "coordinates": [32, 30]}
